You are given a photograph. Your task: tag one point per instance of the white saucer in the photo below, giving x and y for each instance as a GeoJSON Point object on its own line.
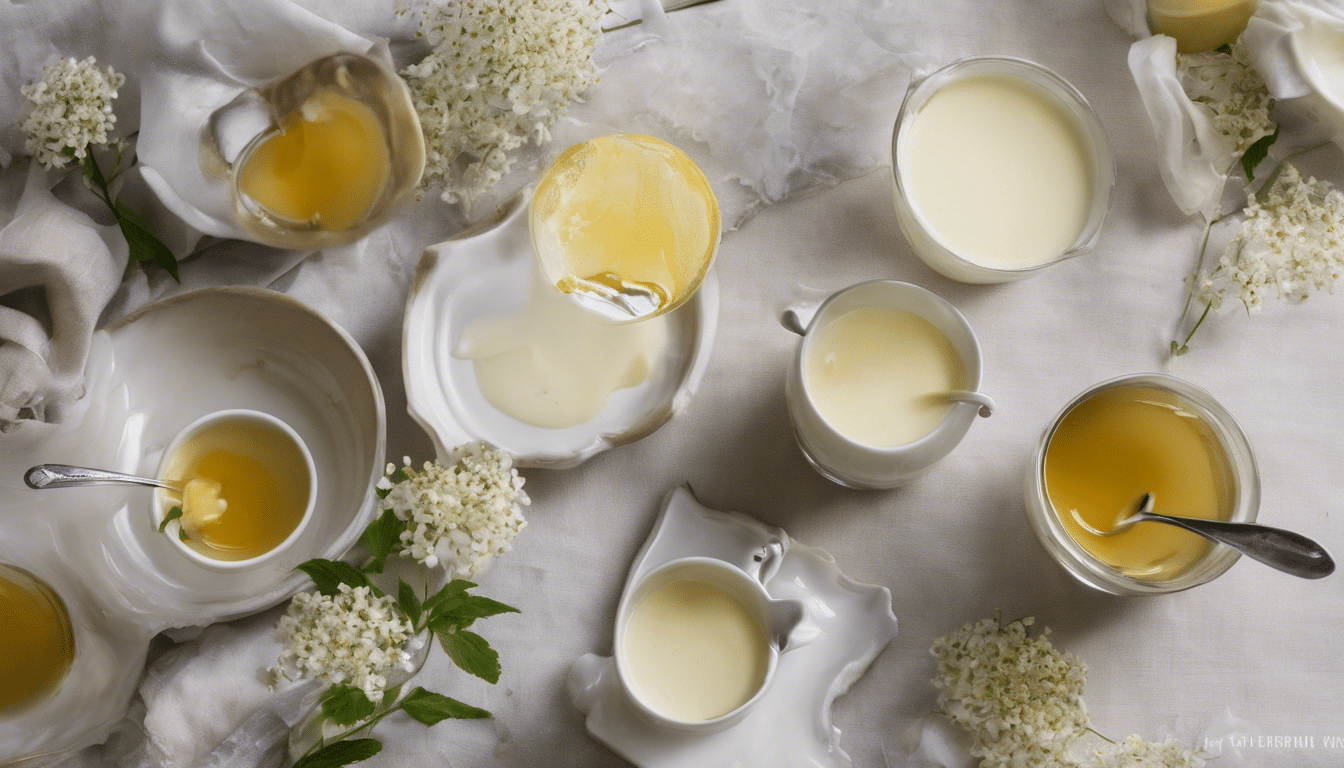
{"type": "Point", "coordinates": [852, 623]}
{"type": "Point", "coordinates": [486, 271]}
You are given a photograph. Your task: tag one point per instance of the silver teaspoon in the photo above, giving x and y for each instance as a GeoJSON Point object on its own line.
{"type": "Point", "coordinates": [1289, 552]}
{"type": "Point", "coordinates": [45, 476]}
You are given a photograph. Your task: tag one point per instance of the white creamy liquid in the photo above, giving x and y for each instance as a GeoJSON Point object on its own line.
{"type": "Point", "coordinates": [1000, 171]}
{"type": "Point", "coordinates": [553, 364]}
{"type": "Point", "coordinates": [876, 375]}
{"type": "Point", "coordinates": [693, 652]}
{"type": "Point", "coordinates": [1323, 49]}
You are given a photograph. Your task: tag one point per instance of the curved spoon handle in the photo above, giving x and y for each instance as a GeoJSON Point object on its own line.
{"type": "Point", "coordinates": [1288, 551]}
{"type": "Point", "coordinates": [45, 476]}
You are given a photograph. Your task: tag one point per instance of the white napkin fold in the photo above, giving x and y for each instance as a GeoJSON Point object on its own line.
{"type": "Point", "coordinates": [58, 268]}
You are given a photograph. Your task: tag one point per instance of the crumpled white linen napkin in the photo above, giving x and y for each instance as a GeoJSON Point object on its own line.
{"type": "Point", "coordinates": [1194, 158]}
{"type": "Point", "coordinates": [58, 268]}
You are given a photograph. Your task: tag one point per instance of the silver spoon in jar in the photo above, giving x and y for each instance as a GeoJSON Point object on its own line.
{"type": "Point", "coordinates": [45, 476]}
{"type": "Point", "coordinates": [1289, 552]}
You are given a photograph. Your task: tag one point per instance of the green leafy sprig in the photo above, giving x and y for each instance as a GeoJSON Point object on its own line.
{"type": "Point", "coordinates": [144, 246]}
{"type": "Point", "coordinates": [447, 614]}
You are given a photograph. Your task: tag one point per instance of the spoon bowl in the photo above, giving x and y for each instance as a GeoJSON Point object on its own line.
{"type": "Point", "coordinates": [1287, 551]}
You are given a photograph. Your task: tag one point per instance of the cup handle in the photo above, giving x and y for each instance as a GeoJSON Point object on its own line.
{"type": "Point", "coordinates": [790, 626]}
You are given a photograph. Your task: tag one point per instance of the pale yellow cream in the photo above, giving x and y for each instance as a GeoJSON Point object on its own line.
{"type": "Point", "coordinates": [879, 375]}
{"type": "Point", "coordinates": [553, 364]}
{"type": "Point", "coordinates": [1000, 170]}
{"type": "Point", "coordinates": [693, 652]}
{"type": "Point", "coordinates": [37, 642]}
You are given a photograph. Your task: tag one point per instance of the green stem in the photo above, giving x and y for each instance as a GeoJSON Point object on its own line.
{"type": "Point", "coordinates": [1101, 736]}
{"type": "Point", "coordinates": [1274, 174]}
{"type": "Point", "coordinates": [1185, 345]}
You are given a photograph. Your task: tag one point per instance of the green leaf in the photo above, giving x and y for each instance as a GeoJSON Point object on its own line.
{"type": "Point", "coordinates": [145, 247]}
{"type": "Point", "coordinates": [462, 613]}
{"type": "Point", "coordinates": [429, 707]}
{"type": "Point", "coordinates": [410, 604]}
{"type": "Point", "coordinates": [340, 753]}
{"type": "Point", "coordinates": [1224, 48]}
{"type": "Point", "coordinates": [346, 704]}
{"type": "Point", "coordinates": [173, 514]}
{"type": "Point", "coordinates": [398, 476]}
{"type": "Point", "coordinates": [382, 492]}
{"type": "Point", "coordinates": [472, 654]}
{"type": "Point", "coordinates": [450, 594]}
{"type": "Point", "coordinates": [382, 537]}
{"type": "Point", "coordinates": [182, 534]}
{"type": "Point", "coordinates": [1257, 152]}
{"type": "Point", "coordinates": [328, 575]}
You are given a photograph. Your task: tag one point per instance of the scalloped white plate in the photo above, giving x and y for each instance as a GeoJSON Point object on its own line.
{"type": "Point", "coordinates": [792, 724]}
{"type": "Point", "coordinates": [487, 271]}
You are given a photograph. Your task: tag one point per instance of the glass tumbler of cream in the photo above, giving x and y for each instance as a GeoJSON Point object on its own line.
{"type": "Point", "coordinates": [1138, 434]}
{"type": "Point", "coordinates": [883, 383]}
{"type": "Point", "coordinates": [698, 642]}
{"type": "Point", "coordinates": [249, 488]}
{"type": "Point", "coordinates": [1002, 170]}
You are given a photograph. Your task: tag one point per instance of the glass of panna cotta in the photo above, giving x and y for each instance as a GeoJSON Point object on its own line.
{"type": "Point", "coordinates": [698, 642]}
{"type": "Point", "coordinates": [868, 389]}
{"type": "Point", "coordinates": [1115, 442]}
{"type": "Point", "coordinates": [1002, 170]}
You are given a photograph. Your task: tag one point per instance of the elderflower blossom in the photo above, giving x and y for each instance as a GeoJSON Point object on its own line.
{"type": "Point", "coordinates": [500, 72]}
{"type": "Point", "coordinates": [1232, 91]}
{"type": "Point", "coordinates": [1292, 240]}
{"type": "Point", "coordinates": [353, 637]}
{"type": "Point", "coordinates": [462, 514]}
{"type": "Point", "coordinates": [1021, 699]}
{"type": "Point", "coordinates": [1134, 752]}
{"type": "Point", "coordinates": [72, 109]}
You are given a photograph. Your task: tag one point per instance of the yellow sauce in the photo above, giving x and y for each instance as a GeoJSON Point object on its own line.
{"type": "Point", "coordinates": [328, 163]}
{"type": "Point", "coordinates": [1200, 25]}
{"type": "Point", "coordinates": [628, 223]}
{"type": "Point", "coordinates": [693, 651]}
{"type": "Point", "coordinates": [37, 643]}
{"type": "Point", "coordinates": [1116, 446]}
{"type": "Point", "coordinates": [258, 474]}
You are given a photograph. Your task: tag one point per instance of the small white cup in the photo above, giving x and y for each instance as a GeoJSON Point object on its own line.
{"type": "Point", "coordinates": [778, 617]}
{"type": "Point", "coordinates": [160, 504]}
{"type": "Point", "coordinates": [842, 459]}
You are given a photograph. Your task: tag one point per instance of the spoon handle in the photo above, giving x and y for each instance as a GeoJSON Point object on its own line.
{"type": "Point", "coordinates": [1288, 551]}
{"type": "Point", "coordinates": [45, 476]}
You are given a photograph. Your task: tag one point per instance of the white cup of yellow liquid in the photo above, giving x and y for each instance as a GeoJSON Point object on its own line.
{"type": "Point", "coordinates": [869, 389]}
{"type": "Point", "coordinates": [698, 641]}
{"type": "Point", "coordinates": [267, 480]}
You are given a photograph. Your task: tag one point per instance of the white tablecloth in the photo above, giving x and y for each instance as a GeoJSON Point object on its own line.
{"type": "Point", "coordinates": [1256, 652]}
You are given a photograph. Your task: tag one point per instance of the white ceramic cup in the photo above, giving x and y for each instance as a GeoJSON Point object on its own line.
{"type": "Point", "coordinates": [161, 504]}
{"type": "Point", "coordinates": [779, 618]}
{"type": "Point", "coordinates": [842, 459]}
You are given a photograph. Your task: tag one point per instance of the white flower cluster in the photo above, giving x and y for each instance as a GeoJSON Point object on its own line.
{"type": "Point", "coordinates": [1134, 752]}
{"type": "Point", "coordinates": [501, 71]}
{"type": "Point", "coordinates": [72, 109]}
{"type": "Point", "coordinates": [1291, 240]}
{"type": "Point", "coordinates": [463, 514]}
{"type": "Point", "coordinates": [1020, 698]}
{"type": "Point", "coordinates": [1232, 91]}
{"type": "Point", "coordinates": [1022, 701]}
{"type": "Point", "coordinates": [352, 637]}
